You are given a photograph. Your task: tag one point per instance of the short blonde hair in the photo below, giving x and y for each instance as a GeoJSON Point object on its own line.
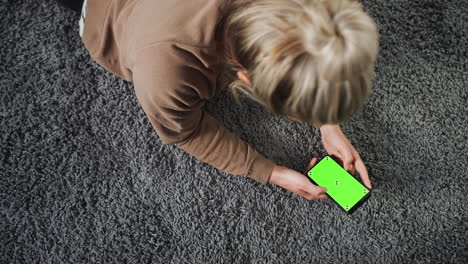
{"type": "Point", "coordinates": [312, 60]}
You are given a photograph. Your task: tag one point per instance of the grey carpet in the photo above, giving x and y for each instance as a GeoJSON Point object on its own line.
{"type": "Point", "coordinates": [85, 179]}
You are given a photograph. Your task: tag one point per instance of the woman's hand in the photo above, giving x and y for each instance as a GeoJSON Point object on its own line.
{"type": "Point", "coordinates": [297, 183]}
{"type": "Point", "coordinates": [338, 146]}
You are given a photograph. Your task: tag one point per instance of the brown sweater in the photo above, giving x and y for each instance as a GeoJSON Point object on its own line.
{"type": "Point", "coordinates": [169, 50]}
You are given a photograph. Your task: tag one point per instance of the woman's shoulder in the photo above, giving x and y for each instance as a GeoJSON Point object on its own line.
{"type": "Point", "coordinates": [192, 22]}
{"type": "Point", "coordinates": [174, 67]}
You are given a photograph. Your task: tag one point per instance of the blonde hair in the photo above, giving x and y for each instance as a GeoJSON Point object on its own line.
{"type": "Point", "coordinates": [311, 60]}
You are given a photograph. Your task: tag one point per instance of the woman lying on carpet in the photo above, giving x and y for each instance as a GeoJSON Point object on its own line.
{"type": "Point", "coordinates": [310, 60]}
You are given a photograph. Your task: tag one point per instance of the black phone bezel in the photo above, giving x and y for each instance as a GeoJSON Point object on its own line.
{"type": "Point", "coordinates": [358, 204]}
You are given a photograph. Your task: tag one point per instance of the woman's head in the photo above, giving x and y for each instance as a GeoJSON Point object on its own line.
{"type": "Point", "coordinates": [311, 60]}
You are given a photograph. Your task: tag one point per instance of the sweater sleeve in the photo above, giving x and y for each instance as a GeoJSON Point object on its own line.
{"type": "Point", "coordinates": [172, 85]}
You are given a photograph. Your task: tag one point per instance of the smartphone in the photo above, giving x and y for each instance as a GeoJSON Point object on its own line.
{"type": "Point", "coordinates": [347, 192]}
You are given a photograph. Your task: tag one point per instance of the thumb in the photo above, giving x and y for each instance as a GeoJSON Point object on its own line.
{"type": "Point", "coordinates": [323, 189]}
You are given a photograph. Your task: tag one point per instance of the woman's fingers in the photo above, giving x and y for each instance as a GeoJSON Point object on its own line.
{"type": "Point", "coordinates": [337, 159]}
{"type": "Point", "coordinates": [322, 189]}
{"type": "Point", "coordinates": [363, 172]}
{"type": "Point", "coordinates": [316, 192]}
{"type": "Point", "coordinates": [361, 168]}
{"type": "Point", "coordinates": [309, 196]}
{"type": "Point", "coordinates": [323, 196]}
{"type": "Point", "coordinates": [302, 193]}
{"type": "Point", "coordinates": [345, 162]}
{"type": "Point", "coordinates": [348, 160]}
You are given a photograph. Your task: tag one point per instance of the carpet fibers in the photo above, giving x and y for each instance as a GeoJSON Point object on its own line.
{"type": "Point", "coordinates": [84, 178]}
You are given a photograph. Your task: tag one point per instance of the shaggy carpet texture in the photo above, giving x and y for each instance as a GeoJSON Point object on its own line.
{"type": "Point", "coordinates": [84, 178]}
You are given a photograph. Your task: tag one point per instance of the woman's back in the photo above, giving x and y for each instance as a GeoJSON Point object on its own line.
{"type": "Point", "coordinates": [115, 31]}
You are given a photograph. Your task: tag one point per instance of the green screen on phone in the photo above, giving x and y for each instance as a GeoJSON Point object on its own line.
{"type": "Point", "coordinates": [341, 186]}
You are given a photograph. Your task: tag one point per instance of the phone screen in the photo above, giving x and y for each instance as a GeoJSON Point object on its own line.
{"type": "Point", "coordinates": [341, 186]}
